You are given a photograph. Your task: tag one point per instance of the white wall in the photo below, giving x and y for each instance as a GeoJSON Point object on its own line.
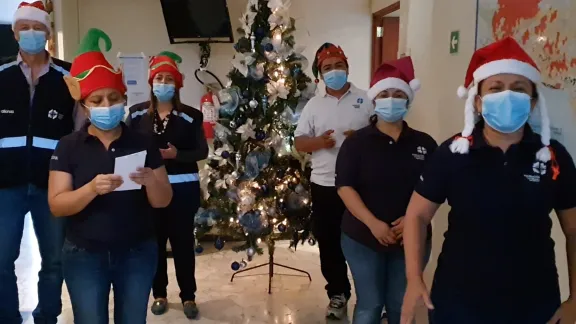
{"type": "Point", "coordinates": [7, 9]}
{"type": "Point", "coordinates": [138, 25]}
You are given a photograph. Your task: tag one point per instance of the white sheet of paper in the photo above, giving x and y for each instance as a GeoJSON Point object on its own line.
{"type": "Point", "coordinates": [127, 164]}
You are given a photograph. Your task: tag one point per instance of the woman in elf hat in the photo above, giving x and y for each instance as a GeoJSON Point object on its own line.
{"type": "Point", "coordinates": [501, 180]}
{"type": "Point", "coordinates": [377, 169]}
{"type": "Point", "coordinates": [178, 131]}
{"type": "Point", "coordinates": [110, 237]}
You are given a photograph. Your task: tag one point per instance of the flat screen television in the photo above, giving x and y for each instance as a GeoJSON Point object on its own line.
{"type": "Point", "coordinates": [196, 21]}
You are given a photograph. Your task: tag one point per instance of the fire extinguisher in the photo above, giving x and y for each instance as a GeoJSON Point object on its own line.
{"type": "Point", "coordinates": [209, 107]}
{"type": "Point", "coordinates": [209, 104]}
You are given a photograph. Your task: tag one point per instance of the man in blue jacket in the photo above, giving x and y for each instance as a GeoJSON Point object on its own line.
{"type": "Point", "coordinates": [36, 110]}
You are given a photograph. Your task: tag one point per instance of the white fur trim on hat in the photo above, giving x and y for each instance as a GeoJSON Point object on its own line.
{"type": "Point", "coordinates": [507, 66]}
{"type": "Point", "coordinates": [415, 85]}
{"type": "Point", "coordinates": [32, 13]}
{"type": "Point", "coordinates": [543, 154]}
{"type": "Point", "coordinates": [462, 144]}
{"type": "Point", "coordinates": [462, 92]}
{"type": "Point", "coordinates": [391, 83]}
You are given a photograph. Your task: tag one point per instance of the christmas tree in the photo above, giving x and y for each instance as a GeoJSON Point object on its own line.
{"type": "Point", "coordinates": [255, 184]}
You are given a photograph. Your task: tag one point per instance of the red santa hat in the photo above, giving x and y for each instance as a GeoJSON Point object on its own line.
{"type": "Point", "coordinates": [504, 56]}
{"type": "Point", "coordinates": [35, 11]}
{"type": "Point", "coordinates": [166, 62]}
{"type": "Point", "coordinates": [397, 74]}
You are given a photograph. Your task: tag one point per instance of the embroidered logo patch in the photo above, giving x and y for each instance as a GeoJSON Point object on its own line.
{"type": "Point", "coordinates": [420, 153]}
{"type": "Point", "coordinates": [52, 114]}
{"type": "Point", "coordinates": [360, 101]}
{"type": "Point", "coordinates": [6, 111]}
{"type": "Point", "coordinates": [538, 169]}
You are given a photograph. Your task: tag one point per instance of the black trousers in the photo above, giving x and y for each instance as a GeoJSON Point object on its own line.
{"type": "Point", "coordinates": [327, 210]}
{"type": "Point", "coordinates": [176, 223]}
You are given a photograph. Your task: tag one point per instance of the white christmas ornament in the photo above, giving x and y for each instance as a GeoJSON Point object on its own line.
{"type": "Point", "coordinates": [253, 104]}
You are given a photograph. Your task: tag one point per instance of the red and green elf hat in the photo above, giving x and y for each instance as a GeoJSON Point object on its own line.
{"type": "Point", "coordinates": [90, 70]}
{"type": "Point", "coordinates": [166, 62]}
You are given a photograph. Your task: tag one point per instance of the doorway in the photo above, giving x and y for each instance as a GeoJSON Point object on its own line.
{"type": "Point", "coordinates": [385, 35]}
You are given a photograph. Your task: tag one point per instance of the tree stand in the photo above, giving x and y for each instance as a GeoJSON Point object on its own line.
{"type": "Point", "coordinates": [271, 265]}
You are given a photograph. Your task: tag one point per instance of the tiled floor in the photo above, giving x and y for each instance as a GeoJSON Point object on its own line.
{"type": "Point", "coordinates": [294, 299]}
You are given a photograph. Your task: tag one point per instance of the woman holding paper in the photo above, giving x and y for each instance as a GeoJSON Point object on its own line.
{"type": "Point", "coordinates": [110, 237]}
{"type": "Point", "coordinates": [178, 131]}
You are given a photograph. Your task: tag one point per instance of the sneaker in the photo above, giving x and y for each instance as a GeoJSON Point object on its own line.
{"type": "Point", "coordinates": [160, 306]}
{"type": "Point", "coordinates": [338, 307]}
{"type": "Point", "coordinates": [190, 309]}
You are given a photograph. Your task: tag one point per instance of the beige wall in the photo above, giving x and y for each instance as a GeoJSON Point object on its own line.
{"type": "Point", "coordinates": [143, 30]}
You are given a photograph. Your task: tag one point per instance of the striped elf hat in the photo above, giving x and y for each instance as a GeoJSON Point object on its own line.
{"type": "Point", "coordinates": [166, 62]}
{"type": "Point", "coordinates": [90, 70]}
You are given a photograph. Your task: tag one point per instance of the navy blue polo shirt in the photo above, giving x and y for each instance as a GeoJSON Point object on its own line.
{"type": "Point", "coordinates": [119, 218]}
{"type": "Point", "coordinates": [498, 247]}
{"type": "Point", "coordinates": [384, 172]}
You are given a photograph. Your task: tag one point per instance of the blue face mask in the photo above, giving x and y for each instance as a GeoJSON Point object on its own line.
{"type": "Point", "coordinates": [107, 118]}
{"type": "Point", "coordinates": [506, 111]}
{"type": "Point", "coordinates": [32, 41]}
{"type": "Point", "coordinates": [164, 92]}
{"type": "Point", "coordinates": [335, 79]}
{"type": "Point", "coordinates": [391, 110]}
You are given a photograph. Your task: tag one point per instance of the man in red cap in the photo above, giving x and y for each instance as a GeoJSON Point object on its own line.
{"type": "Point", "coordinates": [324, 124]}
{"type": "Point", "coordinates": [36, 111]}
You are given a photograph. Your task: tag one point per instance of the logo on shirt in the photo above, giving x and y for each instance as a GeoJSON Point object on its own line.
{"type": "Point", "coordinates": [54, 157]}
{"type": "Point", "coordinates": [360, 101]}
{"type": "Point", "coordinates": [539, 169]}
{"type": "Point", "coordinates": [53, 114]}
{"type": "Point", "coordinates": [7, 112]}
{"type": "Point", "coordinates": [420, 153]}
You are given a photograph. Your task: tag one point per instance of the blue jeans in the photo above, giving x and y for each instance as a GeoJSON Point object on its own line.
{"type": "Point", "coordinates": [15, 203]}
{"type": "Point", "coordinates": [89, 276]}
{"type": "Point", "coordinates": [379, 281]}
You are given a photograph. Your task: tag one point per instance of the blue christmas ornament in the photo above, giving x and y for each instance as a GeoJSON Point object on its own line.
{"type": "Point", "coordinates": [235, 266]}
{"type": "Point", "coordinates": [256, 161]}
{"type": "Point", "coordinates": [260, 135]}
{"type": "Point", "coordinates": [282, 228]}
{"type": "Point", "coordinates": [219, 244]}
{"type": "Point", "coordinates": [229, 101]}
{"type": "Point", "coordinates": [269, 47]}
{"type": "Point", "coordinates": [225, 154]}
{"type": "Point", "coordinates": [199, 249]}
{"type": "Point", "coordinates": [251, 222]}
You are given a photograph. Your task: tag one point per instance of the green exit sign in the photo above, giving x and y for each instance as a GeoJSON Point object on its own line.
{"type": "Point", "coordinates": [454, 41]}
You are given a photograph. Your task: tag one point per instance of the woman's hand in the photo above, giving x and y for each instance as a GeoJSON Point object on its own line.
{"type": "Point", "coordinates": [170, 153]}
{"type": "Point", "coordinates": [106, 183]}
{"type": "Point", "coordinates": [382, 232]}
{"type": "Point", "coordinates": [143, 176]}
{"type": "Point", "coordinates": [416, 294]}
{"type": "Point", "coordinates": [398, 228]}
{"type": "Point", "coordinates": [566, 314]}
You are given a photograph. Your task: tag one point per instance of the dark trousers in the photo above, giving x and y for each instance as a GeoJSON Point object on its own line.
{"type": "Point", "coordinates": [90, 274]}
{"type": "Point", "coordinates": [176, 223]}
{"type": "Point", "coordinates": [327, 210]}
{"type": "Point", "coordinates": [452, 308]}
{"type": "Point", "coordinates": [16, 203]}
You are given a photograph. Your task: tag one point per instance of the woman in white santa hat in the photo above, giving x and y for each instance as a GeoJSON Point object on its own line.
{"type": "Point", "coordinates": [501, 181]}
{"type": "Point", "coordinates": [376, 171]}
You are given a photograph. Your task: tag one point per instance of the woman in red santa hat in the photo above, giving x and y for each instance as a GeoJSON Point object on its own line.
{"type": "Point", "coordinates": [109, 228]}
{"type": "Point", "coordinates": [501, 181]}
{"type": "Point", "coordinates": [178, 131]}
{"type": "Point", "coordinates": [376, 171]}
